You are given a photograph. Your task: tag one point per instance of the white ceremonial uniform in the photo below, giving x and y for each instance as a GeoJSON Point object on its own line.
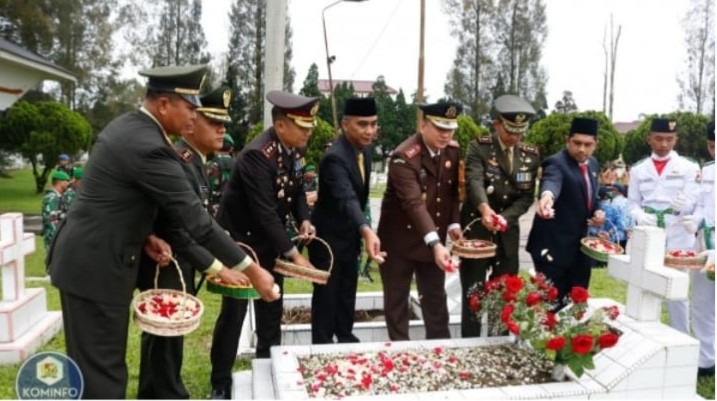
{"type": "Point", "coordinates": [703, 290]}
{"type": "Point", "coordinates": [649, 190]}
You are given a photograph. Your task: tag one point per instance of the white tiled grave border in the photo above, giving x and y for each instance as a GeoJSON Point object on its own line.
{"type": "Point", "coordinates": [651, 361]}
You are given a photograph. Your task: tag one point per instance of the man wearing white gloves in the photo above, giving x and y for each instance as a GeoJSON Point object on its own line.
{"type": "Point", "coordinates": [662, 192]}
{"type": "Point", "coordinates": [703, 289]}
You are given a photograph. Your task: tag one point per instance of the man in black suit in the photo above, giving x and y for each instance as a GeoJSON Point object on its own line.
{"type": "Point", "coordinates": [132, 173]}
{"type": "Point", "coordinates": [264, 191]}
{"type": "Point", "coordinates": [161, 357]}
{"type": "Point", "coordinates": [339, 216]}
{"type": "Point", "coordinates": [568, 204]}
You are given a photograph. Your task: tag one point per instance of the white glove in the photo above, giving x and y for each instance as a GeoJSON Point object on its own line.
{"type": "Point", "coordinates": [678, 202]}
{"type": "Point", "coordinates": [647, 219]}
{"type": "Point", "coordinates": [710, 257]}
{"type": "Point", "coordinates": [690, 224]}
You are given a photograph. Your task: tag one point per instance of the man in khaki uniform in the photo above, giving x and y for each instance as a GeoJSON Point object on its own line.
{"type": "Point", "coordinates": [419, 208]}
{"type": "Point", "coordinates": [500, 180]}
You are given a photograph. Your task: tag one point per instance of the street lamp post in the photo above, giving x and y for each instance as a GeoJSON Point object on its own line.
{"type": "Point", "coordinates": [329, 60]}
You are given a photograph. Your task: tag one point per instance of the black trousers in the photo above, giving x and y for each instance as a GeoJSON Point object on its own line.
{"type": "Point", "coordinates": [225, 341]}
{"type": "Point", "coordinates": [96, 339]}
{"type": "Point", "coordinates": [160, 368]}
{"type": "Point", "coordinates": [333, 305]}
{"type": "Point", "coordinates": [473, 271]}
{"type": "Point", "coordinates": [564, 278]}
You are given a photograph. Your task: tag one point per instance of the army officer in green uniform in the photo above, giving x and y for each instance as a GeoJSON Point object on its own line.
{"type": "Point", "coordinates": [500, 180]}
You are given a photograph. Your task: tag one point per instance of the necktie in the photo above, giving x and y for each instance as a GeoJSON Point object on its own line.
{"type": "Point", "coordinates": [509, 158]}
{"type": "Point", "coordinates": [362, 171]}
{"type": "Point", "coordinates": [586, 176]}
{"type": "Point", "coordinates": [660, 165]}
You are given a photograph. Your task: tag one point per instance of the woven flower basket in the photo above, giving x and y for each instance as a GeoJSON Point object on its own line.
{"type": "Point", "coordinates": [689, 260]}
{"type": "Point", "coordinates": [314, 275]}
{"type": "Point", "coordinates": [216, 286]}
{"type": "Point", "coordinates": [473, 248]}
{"type": "Point", "coordinates": [600, 249]}
{"type": "Point", "coordinates": [165, 312]}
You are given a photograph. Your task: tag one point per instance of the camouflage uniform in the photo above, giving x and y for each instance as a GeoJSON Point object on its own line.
{"type": "Point", "coordinates": [67, 198]}
{"type": "Point", "coordinates": [219, 169]}
{"type": "Point", "coordinates": [52, 215]}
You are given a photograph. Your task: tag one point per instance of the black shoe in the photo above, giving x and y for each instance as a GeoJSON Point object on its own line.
{"type": "Point", "coordinates": [221, 393]}
{"type": "Point", "coordinates": [706, 372]}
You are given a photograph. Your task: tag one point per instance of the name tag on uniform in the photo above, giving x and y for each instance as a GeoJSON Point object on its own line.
{"type": "Point", "coordinates": [492, 170]}
{"type": "Point", "coordinates": [644, 180]}
{"type": "Point", "coordinates": [675, 177]}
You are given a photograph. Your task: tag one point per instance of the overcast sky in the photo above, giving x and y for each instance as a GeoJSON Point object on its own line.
{"type": "Point", "coordinates": [380, 37]}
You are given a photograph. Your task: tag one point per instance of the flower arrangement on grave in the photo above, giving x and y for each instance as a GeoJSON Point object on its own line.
{"type": "Point", "coordinates": [524, 307]}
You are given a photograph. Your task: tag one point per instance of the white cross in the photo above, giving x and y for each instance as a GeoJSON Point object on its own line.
{"type": "Point", "coordinates": [14, 245]}
{"type": "Point", "coordinates": [648, 280]}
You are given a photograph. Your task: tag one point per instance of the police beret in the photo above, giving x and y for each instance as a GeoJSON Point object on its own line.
{"type": "Point", "coordinates": [360, 107]}
{"type": "Point", "coordinates": [663, 125]}
{"type": "Point", "coordinates": [443, 114]}
{"type": "Point", "coordinates": [300, 109]}
{"type": "Point", "coordinates": [215, 105]}
{"type": "Point", "coordinates": [514, 112]}
{"type": "Point", "coordinates": [186, 80]}
{"type": "Point", "coordinates": [78, 172]}
{"type": "Point", "coordinates": [585, 126]}
{"type": "Point", "coordinates": [60, 176]}
{"type": "Point", "coordinates": [64, 156]}
{"type": "Point", "coordinates": [711, 131]}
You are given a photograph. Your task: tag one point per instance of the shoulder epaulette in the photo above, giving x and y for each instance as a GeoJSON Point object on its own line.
{"type": "Point", "coordinates": [269, 149]}
{"type": "Point", "coordinates": [412, 151]}
{"type": "Point", "coordinates": [454, 144]}
{"type": "Point", "coordinates": [186, 155]}
{"type": "Point", "coordinates": [485, 139]}
{"type": "Point", "coordinates": [533, 150]}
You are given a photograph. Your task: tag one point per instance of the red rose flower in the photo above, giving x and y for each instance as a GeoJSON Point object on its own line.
{"type": "Point", "coordinates": [612, 312]}
{"type": "Point", "coordinates": [513, 328]}
{"type": "Point", "coordinates": [582, 344]}
{"type": "Point", "coordinates": [607, 340]}
{"type": "Point", "coordinates": [507, 313]}
{"type": "Point", "coordinates": [552, 294]}
{"type": "Point", "coordinates": [579, 295]}
{"type": "Point", "coordinates": [513, 283]}
{"type": "Point", "coordinates": [509, 296]}
{"type": "Point", "coordinates": [555, 343]}
{"type": "Point", "coordinates": [550, 321]}
{"type": "Point", "coordinates": [532, 298]}
{"type": "Point", "coordinates": [473, 303]}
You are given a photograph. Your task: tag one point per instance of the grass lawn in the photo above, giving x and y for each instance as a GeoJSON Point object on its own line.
{"type": "Point", "coordinates": [17, 194]}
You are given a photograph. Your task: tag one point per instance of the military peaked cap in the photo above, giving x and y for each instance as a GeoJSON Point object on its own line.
{"type": "Point", "coordinates": [60, 176]}
{"type": "Point", "coordinates": [360, 107]}
{"type": "Point", "coordinates": [585, 126]}
{"type": "Point", "coordinates": [443, 114]}
{"type": "Point", "coordinates": [185, 80]}
{"type": "Point", "coordinates": [300, 109]}
{"type": "Point", "coordinates": [663, 125]}
{"type": "Point", "coordinates": [514, 113]}
{"type": "Point", "coordinates": [215, 105]}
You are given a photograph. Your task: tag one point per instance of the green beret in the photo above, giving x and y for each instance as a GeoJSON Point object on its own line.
{"type": "Point", "coordinates": [77, 173]}
{"type": "Point", "coordinates": [60, 176]}
{"type": "Point", "coordinates": [309, 167]}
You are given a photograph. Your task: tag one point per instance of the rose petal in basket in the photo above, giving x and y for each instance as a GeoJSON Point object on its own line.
{"type": "Point", "coordinates": [474, 249]}
{"type": "Point", "coordinates": [216, 286]}
{"type": "Point", "coordinates": [599, 249]}
{"type": "Point", "coordinates": [680, 259]}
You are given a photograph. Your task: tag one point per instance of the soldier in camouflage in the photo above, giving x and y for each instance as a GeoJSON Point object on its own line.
{"type": "Point", "coordinates": [71, 191]}
{"type": "Point", "coordinates": [52, 213]}
{"type": "Point", "coordinates": [219, 169]}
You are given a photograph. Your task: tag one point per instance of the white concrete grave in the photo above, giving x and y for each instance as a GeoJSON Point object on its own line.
{"type": "Point", "coordinates": [25, 323]}
{"type": "Point", "coordinates": [650, 361]}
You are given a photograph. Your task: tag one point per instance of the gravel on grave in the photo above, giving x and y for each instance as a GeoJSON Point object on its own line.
{"type": "Point", "coordinates": [422, 370]}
